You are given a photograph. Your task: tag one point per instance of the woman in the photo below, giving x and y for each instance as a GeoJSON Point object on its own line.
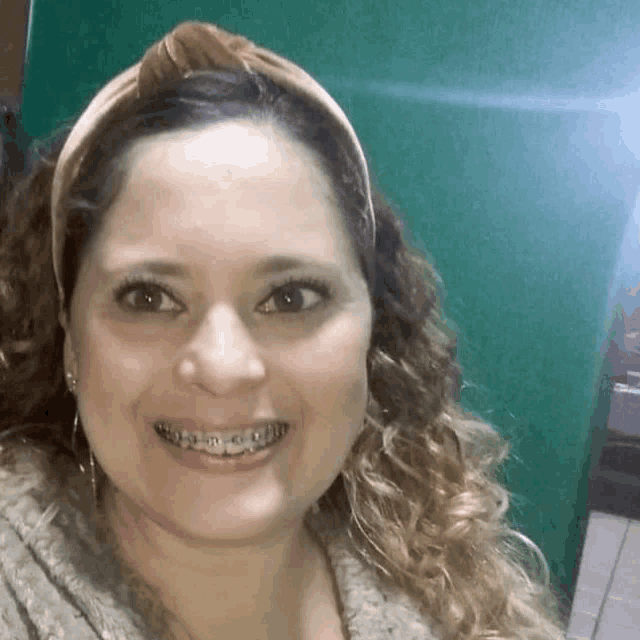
{"type": "Point", "coordinates": [271, 445]}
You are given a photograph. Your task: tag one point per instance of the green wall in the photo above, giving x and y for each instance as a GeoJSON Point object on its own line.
{"type": "Point", "coordinates": [521, 209]}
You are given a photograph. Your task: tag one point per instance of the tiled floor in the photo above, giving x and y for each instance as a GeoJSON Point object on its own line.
{"type": "Point", "coordinates": [606, 604]}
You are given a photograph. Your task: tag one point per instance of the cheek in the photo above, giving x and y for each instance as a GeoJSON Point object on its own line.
{"type": "Point", "coordinates": [332, 368]}
{"type": "Point", "coordinates": [328, 371]}
{"type": "Point", "coordinates": [110, 367]}
{"type": "Point", "coordinates": [328, 377]}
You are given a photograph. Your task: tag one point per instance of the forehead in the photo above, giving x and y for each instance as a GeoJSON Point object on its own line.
{"type": "Point", "coordinates": [228, 189]}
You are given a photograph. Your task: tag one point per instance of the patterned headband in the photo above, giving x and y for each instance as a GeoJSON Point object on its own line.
{"type": "Point", "coordinates": [190, 47]}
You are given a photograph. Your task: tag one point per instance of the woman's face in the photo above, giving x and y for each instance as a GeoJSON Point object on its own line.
{"type": "Point", "coordinates": [228, 215]}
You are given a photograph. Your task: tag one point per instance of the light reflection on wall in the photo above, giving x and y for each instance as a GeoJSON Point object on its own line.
{"type": "Point", "coordinates": [624, 284]}
{"type": "Point", "coordinates": [624, 287]}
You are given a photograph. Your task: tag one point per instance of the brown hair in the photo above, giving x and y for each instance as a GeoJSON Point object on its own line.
{"type": "Point", "coordinates": [418, 489]}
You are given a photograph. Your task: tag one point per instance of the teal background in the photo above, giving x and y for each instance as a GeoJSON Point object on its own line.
{"type": "Point", "coordinates": [522, 207]}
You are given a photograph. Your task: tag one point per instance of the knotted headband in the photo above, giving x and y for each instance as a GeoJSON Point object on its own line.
{"type": "Point", "coordinates": [189, 47]}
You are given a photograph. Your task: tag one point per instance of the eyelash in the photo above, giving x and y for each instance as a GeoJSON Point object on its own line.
{"type": "Point", "coordinates": [132, 283]}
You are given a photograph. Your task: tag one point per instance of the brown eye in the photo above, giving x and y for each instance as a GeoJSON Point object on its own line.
{"type": "Point", "coordinates": [146, 297]}
{"type": "Point", "coordinates": [297, 296]}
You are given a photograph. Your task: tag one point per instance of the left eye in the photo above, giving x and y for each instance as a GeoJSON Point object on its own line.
{"type": "Point", "coordinates": [291, 299]}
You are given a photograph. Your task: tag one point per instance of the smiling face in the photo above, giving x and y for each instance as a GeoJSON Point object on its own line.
{"type": "Point", "coordinates": [219, 209]}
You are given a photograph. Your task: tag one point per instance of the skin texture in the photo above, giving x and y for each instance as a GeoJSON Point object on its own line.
{"type": "Point", "coordinates": [229, 552]}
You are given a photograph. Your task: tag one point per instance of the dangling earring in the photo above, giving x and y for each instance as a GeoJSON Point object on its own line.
{"type": "Point", "coordinates": [76, 421]}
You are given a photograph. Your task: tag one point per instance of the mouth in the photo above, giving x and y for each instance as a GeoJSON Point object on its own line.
{"type": "Point", "coordinates": [229, 444]}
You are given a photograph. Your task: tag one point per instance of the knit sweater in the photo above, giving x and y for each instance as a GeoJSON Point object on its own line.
{"type": "Point", "coordinates": [58, 582]}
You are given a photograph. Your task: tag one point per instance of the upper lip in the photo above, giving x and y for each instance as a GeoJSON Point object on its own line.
{"type": "Point", "coordinates": [189, 424]}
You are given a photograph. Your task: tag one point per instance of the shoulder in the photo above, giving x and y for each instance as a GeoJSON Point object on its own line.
{"type": "Point", "coordinates": [25, 482]}
{"type": "Point", "coordinates": [48, 559]}
{"type": "Point", "coordinates": [35, 486]}
{"type": "Point", "coordinates": [371, 609]}
{"type": "Point", "coordinates": [24, 584]}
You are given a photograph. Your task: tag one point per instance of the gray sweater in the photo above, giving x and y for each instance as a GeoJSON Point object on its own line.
{"type": "Point", "coordinates": [58, 582]}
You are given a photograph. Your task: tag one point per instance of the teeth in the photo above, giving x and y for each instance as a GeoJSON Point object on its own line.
{"type": "Point", "coordinates": [184, 439]}
{"type": "Point", "coordinates": [213, 445]}
{"type": "Point", "coordinates": [195, 438]}
{"type": "Point", "coordinates": [235, 447]}
{"type": "Point", "coordinates": [250, 440]}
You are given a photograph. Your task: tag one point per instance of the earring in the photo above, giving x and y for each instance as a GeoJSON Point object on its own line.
{"type": "Point", "coordinates": [71, 380]}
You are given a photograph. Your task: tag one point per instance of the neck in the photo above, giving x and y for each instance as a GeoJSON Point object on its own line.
{"type": "Point", "coordinates": [257, 590]}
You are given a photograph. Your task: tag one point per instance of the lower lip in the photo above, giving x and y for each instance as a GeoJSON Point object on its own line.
{"type": "Point", "coordinates": [219, 465]}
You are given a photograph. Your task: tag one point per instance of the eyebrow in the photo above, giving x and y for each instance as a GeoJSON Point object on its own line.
{"type": "Point", "coordinates": [279, 264]}
{"type": "Point", "coordinates": [268, 266]}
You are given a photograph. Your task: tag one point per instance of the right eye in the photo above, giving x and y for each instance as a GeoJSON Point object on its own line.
{"type": "Point", "coordinates": [141, 296]}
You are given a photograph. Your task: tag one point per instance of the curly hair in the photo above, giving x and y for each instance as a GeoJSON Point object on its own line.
{"type": "Point", "coordinates": [419, 487]}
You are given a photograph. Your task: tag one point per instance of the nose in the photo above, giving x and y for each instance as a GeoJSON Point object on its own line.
{"type": "Point", "coordinates": [224, 354]}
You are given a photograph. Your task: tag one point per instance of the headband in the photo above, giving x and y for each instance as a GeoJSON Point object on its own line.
{"type": "Point", "coordinates": [191, 46]}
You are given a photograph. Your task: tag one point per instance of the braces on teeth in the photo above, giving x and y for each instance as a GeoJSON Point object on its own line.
{"type": "Point", "coordinates": [249, 442]}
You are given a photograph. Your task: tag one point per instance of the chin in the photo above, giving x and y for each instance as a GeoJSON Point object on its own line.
{"type": "Point", "coordinates": [235, 521]}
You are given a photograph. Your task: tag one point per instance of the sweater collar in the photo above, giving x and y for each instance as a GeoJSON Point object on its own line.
{"type": "Point", "coordinates": [51, 538]}
{"type": "Point", "coordinates": [370, 608]}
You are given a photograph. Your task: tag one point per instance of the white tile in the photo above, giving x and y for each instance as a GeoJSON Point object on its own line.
{"type": "Point", "coordinates": [626, 582]}
{"type": "Point", "coordinates": [584, 613]}
{"type": "Point", "coordinates": [571, 636]}
{"type": "Point", "coordinates": [603, 542]}
{"type": "Point", "coordinates": [620, 620]}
